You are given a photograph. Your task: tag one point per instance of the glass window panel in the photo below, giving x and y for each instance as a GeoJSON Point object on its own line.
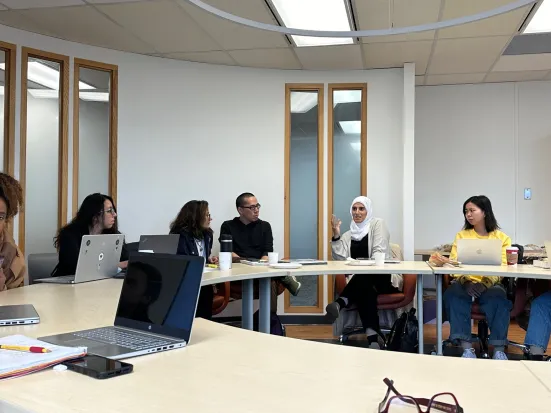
{"type": "Point", "coordinates": [347, 114]}
{"type": "Point", "coordinates": [42, 161]}
{"type": "Point", "coordinates": [94, 132]}
{"type": "Point", "coordinates": [304, 189]}
{"type": "Point", "coordinates": [3, 94]}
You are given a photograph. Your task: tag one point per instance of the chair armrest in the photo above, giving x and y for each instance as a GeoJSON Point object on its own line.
{"type": "Point", "coordinates": [224, 289]}
{"type": "Point", "coordinates": [408, 289]}
{"type": "Point", "coordinates": [340, 283]}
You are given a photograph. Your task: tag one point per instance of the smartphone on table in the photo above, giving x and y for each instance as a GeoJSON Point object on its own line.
{"type": "Point", "coordinates": [98, 367]}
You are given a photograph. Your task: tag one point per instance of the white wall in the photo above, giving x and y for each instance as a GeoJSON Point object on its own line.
{"type": "Point", "coordinates": [492, 139]}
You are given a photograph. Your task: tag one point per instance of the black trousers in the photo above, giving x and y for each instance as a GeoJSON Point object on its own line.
{"type": "Point", "coordinates": [362, 290]}
{"type": "Point", "coordinates": [204, 306]}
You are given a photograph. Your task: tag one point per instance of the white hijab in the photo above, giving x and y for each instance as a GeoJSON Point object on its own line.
{"type": "Point", "coordinates": [359, 231]}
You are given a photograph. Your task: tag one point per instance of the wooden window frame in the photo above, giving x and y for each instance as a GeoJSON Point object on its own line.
{"type": "Point", "coordinates": [319, 88]}
{"type": "Point", "coordinates": [332, 87]}
{"type": "Point", "coordinates": [113, 71]}
{"type": "Point", "coordinates": [64, 68]}
{"type": "Point", "coordinates": [9, 106]}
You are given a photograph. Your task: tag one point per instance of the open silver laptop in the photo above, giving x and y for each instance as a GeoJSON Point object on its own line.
{"type": "Point", "coordinates": [98, 259]}
{"type": "Point", "coordinates": [159, 244]}
{"type": "Point", "coordinates": [479, 251]}
{"type": "Point", "coordinates": [156, 309]}
{"type": "Point", "coordinates": [18, 314]}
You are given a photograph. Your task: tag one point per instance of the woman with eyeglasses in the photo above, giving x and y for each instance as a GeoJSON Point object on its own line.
{"type": "Point", "coordinates": [193, 225]}
{"type": "Point", "coordinates": [12, 260]}
{"type": "Point", "coordinates": [97, 215]}
{"type": "Point", "coordinates": [368, 235]}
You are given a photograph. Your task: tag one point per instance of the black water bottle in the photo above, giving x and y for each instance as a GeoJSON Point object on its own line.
{"type": "Point", "coordinates": [226, 249]}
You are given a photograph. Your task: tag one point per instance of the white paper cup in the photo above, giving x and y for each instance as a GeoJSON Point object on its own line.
{"type": "Point", "coordinates": [273, 258]}
{"type": "Point", "coordinates": [379, 258]}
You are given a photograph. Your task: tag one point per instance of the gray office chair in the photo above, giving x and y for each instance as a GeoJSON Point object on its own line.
{"type": "Point", "coordinates": [41, 266]}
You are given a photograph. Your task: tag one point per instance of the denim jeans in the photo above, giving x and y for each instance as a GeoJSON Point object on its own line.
{"type": "Point", "coordinates": [493, 303]}
{"type": "Point", "coordinates": [539, 326]}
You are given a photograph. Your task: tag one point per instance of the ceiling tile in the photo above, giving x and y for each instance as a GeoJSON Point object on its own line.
{"type": "Point", "coordinates": [217, 58]}
{"type": "Point", "coordinates": [454, 79]}
{"type": "Point", "coordinates": [548, 77]}
{"type": "Point", "coordinates": [267, 58]}
{"type": "Point", "coordinates": [3, 7]}
{"type": "Point", "coordinates": [514, 63]}
{"type": "Point", "coordinates": [113, 1]}
{"type": "Point", "coordinates": [15, 19]}
{"type": "Point", "coordinates": [162, 24]}
{"type": "Point", "coordinates": [466, 55]}
{"type": "Point", "coordinates": [32, 4]}
{"type": "Point", "coordinates": [86, 25]}
{"type": "Point", "coordinates": [330, 57]}
{"type": "Point", "coordinates": [503, 24]}
{"type": "Point", "coordinates": [419, 80]}
{"type": "Point", "coordinates": [233, 36]}
{"type": "Point", "coordinates": [515, 76]}
{"type": "Point", "coordinates": [384, 55]}
{"type": "Point", "coordinates": [376, 14]}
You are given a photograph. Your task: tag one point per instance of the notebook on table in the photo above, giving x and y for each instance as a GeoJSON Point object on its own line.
{"type": "Point", "coordinates": [18, 363]}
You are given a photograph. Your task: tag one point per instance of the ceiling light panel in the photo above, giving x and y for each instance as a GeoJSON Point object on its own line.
{"type": "Point", "coordinates": [328, 15]}
{"type": "Point", "coordinates": [541, 21]}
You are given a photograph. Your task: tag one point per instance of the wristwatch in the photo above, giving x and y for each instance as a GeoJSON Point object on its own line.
{"type": "Point", "coordinates": [335, 239]}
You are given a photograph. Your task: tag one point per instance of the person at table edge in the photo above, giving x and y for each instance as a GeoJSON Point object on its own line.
{"type": "Point", "coordinates": [480, 223]}
{"type": "Point", "coordinates": [12, 268]}
{"type": "Point", "coordinates": [252, 237]}
{"type": "Point", "coordinates": [97, 215]}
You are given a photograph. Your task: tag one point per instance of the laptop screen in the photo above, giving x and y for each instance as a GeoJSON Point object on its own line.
{"type": "Point", "coordinates": [159, 294]}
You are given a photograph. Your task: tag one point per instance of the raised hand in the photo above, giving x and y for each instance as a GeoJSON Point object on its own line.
{"type": "Point", "coordinates": [336, 226]}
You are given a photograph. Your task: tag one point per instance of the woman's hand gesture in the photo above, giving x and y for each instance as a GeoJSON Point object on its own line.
{"type": "Point", "coordinates": [336, 226]}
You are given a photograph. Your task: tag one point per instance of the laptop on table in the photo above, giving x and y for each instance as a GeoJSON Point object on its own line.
{"type": "Point", "coordinates": [18, 314]}
{"type": "Point", "coordinates": [479, 251]}
{"type": "Point", "coordinates": [98, 259]}
{"type": "Point", "coordinates": [156, 309]}
{"type": "Point", "coordinates": [159, 244]}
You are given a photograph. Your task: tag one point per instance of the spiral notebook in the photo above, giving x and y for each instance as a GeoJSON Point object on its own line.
{"type": "Point", "coordinates": [18, 363]}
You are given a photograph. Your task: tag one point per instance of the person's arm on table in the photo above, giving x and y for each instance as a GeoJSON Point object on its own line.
{"type": "Point", "coordinates": [268, 241]}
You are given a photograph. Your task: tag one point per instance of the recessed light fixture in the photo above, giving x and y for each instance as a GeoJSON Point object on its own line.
{"type": "Point", "coordinates": [315, 15]}
{"type": "Point", "coordinates": [302, 102]}
{"type": "Point", "coordinates": [351, 126]}
{"type": "Point", "coordinates": [46, 76]}
{"type": "Point", "coordinates": [541, 21]}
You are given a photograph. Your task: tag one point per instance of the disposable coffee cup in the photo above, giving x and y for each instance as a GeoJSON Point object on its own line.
{"type": "Point", "coordinates": [379, 258]}
{"type": "Point", "coordinates": [512, 255]}
{"type": "Point", "coordinates": [273, 258]}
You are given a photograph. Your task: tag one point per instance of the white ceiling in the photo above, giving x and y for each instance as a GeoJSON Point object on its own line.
{"type": "Point", "coordinates": [175, 29]}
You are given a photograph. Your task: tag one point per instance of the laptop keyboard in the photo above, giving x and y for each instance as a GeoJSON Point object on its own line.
{"type": "Point", "coordinates": [128, 339]}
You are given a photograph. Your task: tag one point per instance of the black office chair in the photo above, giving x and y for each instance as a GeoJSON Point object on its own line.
{"type": "Point", "coordinates": [132, 247]}
{"type": "Point", "coordinates": [41, 266]}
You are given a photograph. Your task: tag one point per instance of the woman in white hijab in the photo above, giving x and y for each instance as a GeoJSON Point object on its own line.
{"type": "Point", "coordinates": [367, 236]}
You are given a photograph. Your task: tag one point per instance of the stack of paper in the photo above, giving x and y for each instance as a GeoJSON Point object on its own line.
{"type": "Point", "coordinates": [18, 363]}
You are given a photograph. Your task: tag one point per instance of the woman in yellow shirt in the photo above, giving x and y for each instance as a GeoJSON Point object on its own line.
{"type": "Point", "coordinates": [480, 223]}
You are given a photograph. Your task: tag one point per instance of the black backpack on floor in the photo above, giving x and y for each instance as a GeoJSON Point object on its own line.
{"type": "Point", "coordinates": [404, 335]}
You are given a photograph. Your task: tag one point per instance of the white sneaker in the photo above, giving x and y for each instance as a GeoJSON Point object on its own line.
{"type": "Point", "coordinates": [500, 355]}
{"type": "Point", "coordinates": [469, 353]}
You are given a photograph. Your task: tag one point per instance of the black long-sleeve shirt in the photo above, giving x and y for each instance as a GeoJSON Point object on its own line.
{"type": "Point", "coordinates": [254, 240]}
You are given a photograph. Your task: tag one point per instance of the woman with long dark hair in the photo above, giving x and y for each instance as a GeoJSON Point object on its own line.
{"type": "Point", "coordinates": [97, 215]}
{"type": "Point", "coordinates": [193, 225]}
{"type": "Point", "coordinates": [480, 223]}
{"type": "Point", "coordinates": [12, 265]}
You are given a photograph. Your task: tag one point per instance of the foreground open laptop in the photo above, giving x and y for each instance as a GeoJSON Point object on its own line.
{"type": "Point", "coordinates": [18, 314]}
{"type": "Point", "coordinates": [156, 309]}
{"type": "Point", "coordinates": [98, 259]}
{"type": "Point", "coordinates": [159, 244]}
{"type": "Point", "coordinates": [479, 251]}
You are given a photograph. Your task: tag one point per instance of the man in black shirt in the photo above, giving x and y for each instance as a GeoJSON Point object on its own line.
{"type": "Point", "coordinates": [252, 237]}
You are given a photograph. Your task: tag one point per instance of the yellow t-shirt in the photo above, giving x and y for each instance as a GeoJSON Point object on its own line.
{"type": "Point", "coordinates": [472, 234]}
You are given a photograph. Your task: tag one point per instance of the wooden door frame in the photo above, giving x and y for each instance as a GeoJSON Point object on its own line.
{"type": "Point", "coordinates": [63, 133]}
{"type": "Point", "coordinates": [363, 158]}
{"type": "Point", "coordinates": [113, 71]}
{"type": "Point", "coordinates": [319, 88]}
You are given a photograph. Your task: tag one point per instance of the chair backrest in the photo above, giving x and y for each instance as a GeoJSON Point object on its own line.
{"type": "Point", "coordinates": [132, 247]}
{"type": "Point", "coordinates": [41, 266]}
{"type": "Point", "coordinates": [396, 252]}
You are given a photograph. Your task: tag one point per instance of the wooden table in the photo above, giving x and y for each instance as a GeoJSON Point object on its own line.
{"type": "Point", "coordinates": [226, 369]}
